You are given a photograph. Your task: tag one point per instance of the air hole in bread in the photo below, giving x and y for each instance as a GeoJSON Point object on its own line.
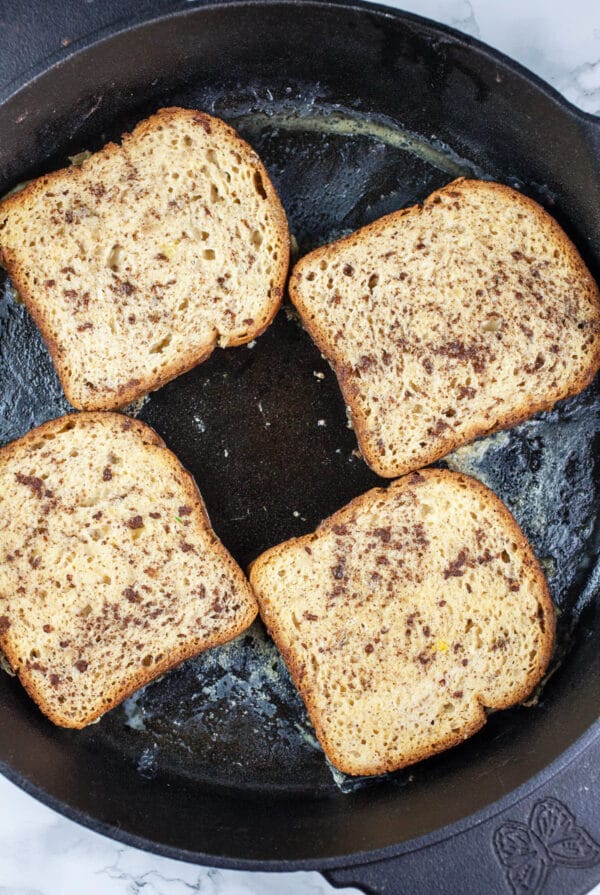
{"type": "Point", "coordinates": [259, 185]}
{"type": "Point", "coordinates": [115, 257]}
{"type": "Point", "coordinates": [492, 324]}
{"type": "Point", "coordinates": [541, 619]}
{"type": "Point", "coordinates": [88, 500]}
{"type": "Point", "coordinates": [159, 347]}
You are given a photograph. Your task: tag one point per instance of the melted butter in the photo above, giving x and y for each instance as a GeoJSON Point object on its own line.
{"type": "Point", "coordinates": [470, 458]}
{"type": "Point", "coordinates": [11, 293]}
{"type": "Point", "coordinates": [135, 408]}
{"type": "Point", "coordinates": [6, 666]}
{"type": "Point", "coordinates": [341, 122]}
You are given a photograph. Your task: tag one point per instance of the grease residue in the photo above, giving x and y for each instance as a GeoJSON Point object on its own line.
{"type": "Point", "coordinates": [472, 459]}
{"type": "Point", "coordinates": [239, 689]}
{"type": "Point", "coordinates": [334, 119]}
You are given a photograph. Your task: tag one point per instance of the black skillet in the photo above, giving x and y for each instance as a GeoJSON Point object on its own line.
{"type": "Point", "coordinates": [356, 110]}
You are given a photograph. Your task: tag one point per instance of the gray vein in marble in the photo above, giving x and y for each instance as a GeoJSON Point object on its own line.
{"type": "Point", "coordinates": [466, 21]}
{"type": "Point", "coordinates": [581, 86]}
{"type": "Point", "coordinates": [153, 883]}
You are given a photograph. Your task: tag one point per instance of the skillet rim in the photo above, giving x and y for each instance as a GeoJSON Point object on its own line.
{"type": "Point", "coordinates": [122, 26]}
{"type": "Point", "coordinates": [354, 859]}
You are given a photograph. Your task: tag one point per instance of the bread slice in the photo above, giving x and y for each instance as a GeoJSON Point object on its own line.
{"type": "Point", "coordinates": [450, 320]}
{"type": "Point", "coordinates": [110, 573]}
{"type": "Point", "coordinates": [137, 263]}
{"type": "Point", "coordinates": [404, 616]}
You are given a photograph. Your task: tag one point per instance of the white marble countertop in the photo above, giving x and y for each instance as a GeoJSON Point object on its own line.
{"type": "Point", "coordinates": [43, 853]}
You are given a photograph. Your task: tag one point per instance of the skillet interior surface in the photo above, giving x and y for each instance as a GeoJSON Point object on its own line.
{"type": "Point", "coordinates": [214, 759]}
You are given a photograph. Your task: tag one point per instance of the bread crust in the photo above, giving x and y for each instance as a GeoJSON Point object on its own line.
{"type": "Point", "coordinates": [259, 579]}
{"type": "Point", "coordinates": [443, 443]}
{"type": "Point", "coordinates": [201, 522]}
{"type": "Point", "coordinates": [186, 360]}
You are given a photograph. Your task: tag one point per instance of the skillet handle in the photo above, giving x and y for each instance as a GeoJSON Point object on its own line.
{"type": "Point", "coordinates": [548, 843]}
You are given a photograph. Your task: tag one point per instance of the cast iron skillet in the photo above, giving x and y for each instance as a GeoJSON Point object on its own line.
{"type": "Point", "coordinates": [356, 110]}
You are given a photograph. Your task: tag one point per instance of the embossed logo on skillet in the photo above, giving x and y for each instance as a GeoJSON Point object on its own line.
{"type": "Point", "coordinates": [551, 837]}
